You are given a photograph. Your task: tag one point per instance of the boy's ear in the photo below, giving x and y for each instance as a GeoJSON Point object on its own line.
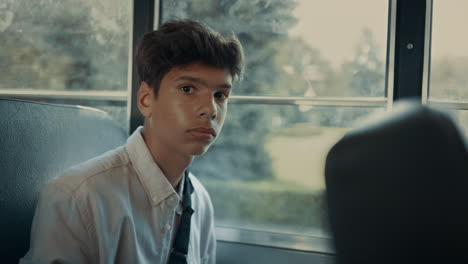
{"type": "Point", "coordinates": [144, 99]}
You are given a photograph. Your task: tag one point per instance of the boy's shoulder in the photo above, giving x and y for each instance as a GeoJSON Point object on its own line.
{"type": "Point", "coordinates": [98, 168]}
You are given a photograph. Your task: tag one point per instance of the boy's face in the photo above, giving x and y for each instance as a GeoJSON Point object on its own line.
{"type": "Point", "coordinates": [188, 112]}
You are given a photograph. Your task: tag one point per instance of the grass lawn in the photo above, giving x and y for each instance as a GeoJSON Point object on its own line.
{"type": "Point", "coordinates": [299, 152]}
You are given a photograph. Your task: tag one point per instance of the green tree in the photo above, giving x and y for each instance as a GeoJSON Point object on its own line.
{"type": "Point", "coordinates": [366, 72]}
{"type": "Point", "coordinates": [449, 79]}
{"type": "Point", "coordinates": [63, 45]}
{"type": "Point", "coordinates": [363, 76]}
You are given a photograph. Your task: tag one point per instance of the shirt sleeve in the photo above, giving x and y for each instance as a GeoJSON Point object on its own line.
{"type": "Point", "coordinates": [58, 234]}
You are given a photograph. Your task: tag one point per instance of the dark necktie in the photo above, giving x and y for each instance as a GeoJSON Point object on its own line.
{"type": "Point", "coordinates": [180, 248]}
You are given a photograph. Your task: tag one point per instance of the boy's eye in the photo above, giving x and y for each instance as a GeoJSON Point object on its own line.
{"type": "Point", "coordinates": [187, 89]}
{"type": "Point", "coordinates": [221, 95]}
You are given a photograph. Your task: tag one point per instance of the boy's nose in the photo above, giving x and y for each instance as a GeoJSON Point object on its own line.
{"type": "Point", "coordinates": [208, 108]}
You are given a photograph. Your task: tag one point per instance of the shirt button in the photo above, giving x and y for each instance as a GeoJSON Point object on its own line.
{"type": "Point", "coordinates": [167, 227]}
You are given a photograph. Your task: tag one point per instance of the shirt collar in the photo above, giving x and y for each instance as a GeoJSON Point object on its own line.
{"type": "Point", "coordinates": [154, 181]}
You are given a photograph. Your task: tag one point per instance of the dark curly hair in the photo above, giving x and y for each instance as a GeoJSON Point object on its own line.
{"type": "Point", "coordinates": [182, 42]}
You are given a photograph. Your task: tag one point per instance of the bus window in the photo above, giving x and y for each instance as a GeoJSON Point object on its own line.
{"type": "Point", "coordinates": [449, 59]}
{"type": "Point", "coordinates": [69, 52]}
{"type": "Point", "coordinates": [312, 69]}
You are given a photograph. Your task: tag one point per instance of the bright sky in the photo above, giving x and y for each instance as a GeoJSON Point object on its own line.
{"type": "Point", "coordinates": [335, 26]}
{"type": "Point", "coordinates": [449, 24]}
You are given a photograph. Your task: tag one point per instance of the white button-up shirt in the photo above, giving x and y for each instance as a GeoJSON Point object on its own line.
{"type": "Point", "coordinates": [118, 208]}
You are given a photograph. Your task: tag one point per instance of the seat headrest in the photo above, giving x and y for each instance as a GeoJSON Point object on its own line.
{"type": "Point", "coordinates": [397, 189]}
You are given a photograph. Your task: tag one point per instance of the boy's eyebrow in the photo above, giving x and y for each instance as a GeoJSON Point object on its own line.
{"type": "Point", "coordinates": [201, 81]}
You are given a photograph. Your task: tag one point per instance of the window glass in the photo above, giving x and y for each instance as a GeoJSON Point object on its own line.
{"type": "Point", "coordinates": [462, 118]}
{"type": "Point", "coordinates": [449, 52]}
{"type": "Point", "coordinates": [65, 45]}
{"type": "Point", "coordinates": [269, 164]}
{"type": "Point", "coordinates": [301, 48]}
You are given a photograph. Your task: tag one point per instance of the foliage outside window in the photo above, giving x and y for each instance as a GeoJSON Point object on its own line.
{"type": "Point", "coordinates": [66, 45]}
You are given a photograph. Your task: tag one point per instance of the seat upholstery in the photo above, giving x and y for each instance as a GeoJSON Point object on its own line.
{"type": "Point", "coordinates": [397, 189]}
{"type": "Point", "coordinates": [37, 142]}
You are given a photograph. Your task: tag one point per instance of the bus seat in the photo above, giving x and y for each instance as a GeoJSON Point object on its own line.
{"type": "Point", "coordinates": [397, 189]}
{"type": "Point", "coordinates": [37, 142]}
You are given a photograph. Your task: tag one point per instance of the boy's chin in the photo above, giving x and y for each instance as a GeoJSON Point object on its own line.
{"type": "Point", "coordinates": [199, 151]}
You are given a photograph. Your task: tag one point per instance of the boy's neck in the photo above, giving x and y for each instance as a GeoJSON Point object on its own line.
{"type": "Point", "coordinates": [172, 167]}
{"type": "Point", "coordinates": [172, 164]}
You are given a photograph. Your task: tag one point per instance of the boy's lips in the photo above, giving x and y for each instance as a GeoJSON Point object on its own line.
{"type": "Point", "coordinates": [203, 132]}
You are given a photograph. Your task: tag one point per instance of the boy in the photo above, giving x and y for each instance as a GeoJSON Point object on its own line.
{"type": "Point", "coordinates": [138, 203]}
